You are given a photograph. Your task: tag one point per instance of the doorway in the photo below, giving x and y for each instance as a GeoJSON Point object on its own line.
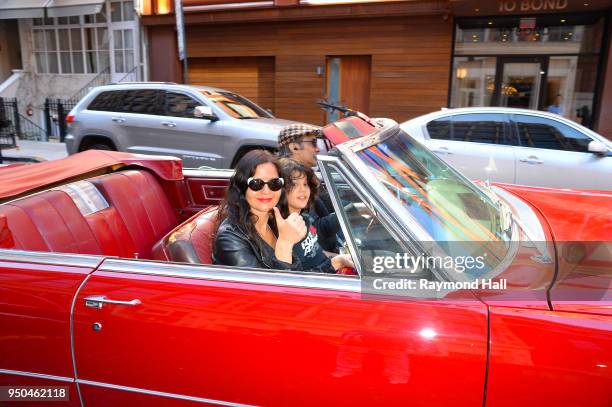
{"type": "Point", "coordinates": [520, 82]}
{"type": "Point", "coordinates": [123, 39]}
{"type": "Point", "coordinates": [348, 83]}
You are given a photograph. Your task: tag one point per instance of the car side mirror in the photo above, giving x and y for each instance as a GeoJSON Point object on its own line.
{"type": "Point", "coordinates": [205, 112]}
{"type": "Point", "coordinates": [597, 147]}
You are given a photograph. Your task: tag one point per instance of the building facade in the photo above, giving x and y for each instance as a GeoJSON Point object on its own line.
{"type": "Point", "coordinates": [59, 52]}
{"type": "Point", "coordinates": [395, 59]}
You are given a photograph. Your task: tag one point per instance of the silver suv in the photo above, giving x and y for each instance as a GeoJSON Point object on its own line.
{"type": "Point", "coordinates": [202, 125]}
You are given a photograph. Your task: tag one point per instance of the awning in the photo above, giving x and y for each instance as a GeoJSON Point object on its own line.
{"type": "Point", "coordinates": [64, 8]}
{"type": "Point", "coordinates": [53, 8]}
{"type": "Point", "coordinates": [22, 8]}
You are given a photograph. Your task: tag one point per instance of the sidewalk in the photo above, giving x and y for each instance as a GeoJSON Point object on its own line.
{"type": "Point", "coordinates": [36, 150]}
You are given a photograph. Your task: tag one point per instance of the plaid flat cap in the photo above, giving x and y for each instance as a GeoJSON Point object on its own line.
{"type": "Point", "coordinates": [295, 132]}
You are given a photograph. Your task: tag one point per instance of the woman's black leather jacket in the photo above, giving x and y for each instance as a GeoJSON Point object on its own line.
{"type": "Point", "coordinates": [233, 247]}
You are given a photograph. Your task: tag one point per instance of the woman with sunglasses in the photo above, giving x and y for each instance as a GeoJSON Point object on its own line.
{"type": "Point", "coordinates": [251, 231]}
{"type": "Point", "coordinates": [300, 192]}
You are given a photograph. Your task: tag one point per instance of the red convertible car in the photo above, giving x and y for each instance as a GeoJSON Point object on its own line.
{"type": "Point", "coordinates": [107, 288]}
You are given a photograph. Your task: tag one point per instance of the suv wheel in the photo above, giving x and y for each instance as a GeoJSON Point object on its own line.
{"type": "Point", "coordinates": [97, 144]}
{"type": "Point", "coordinates": [100, 146]}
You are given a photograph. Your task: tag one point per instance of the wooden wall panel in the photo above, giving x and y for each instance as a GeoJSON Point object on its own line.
{"type": "Point", "coordinates": [410, 60]}
{"type": "Point", "coordinates": [252, 77]}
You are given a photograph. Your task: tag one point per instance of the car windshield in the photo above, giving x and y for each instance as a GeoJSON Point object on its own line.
{"type": "Point", "coordinates": [236, 105]}
{"type": "Point", "coordinates": [444, 203]}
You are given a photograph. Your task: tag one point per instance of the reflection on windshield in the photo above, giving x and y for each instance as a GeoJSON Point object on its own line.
{"type": "Point", "coordinates": [447, 206]}
{"type": "Point", "coordinates": [235, 105]}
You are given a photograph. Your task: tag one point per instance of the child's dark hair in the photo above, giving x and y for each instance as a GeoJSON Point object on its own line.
{"type": "Point", "coordinates": [290, 170]}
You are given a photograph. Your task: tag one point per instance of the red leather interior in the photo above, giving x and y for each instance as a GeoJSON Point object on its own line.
{"type": "Point", "coordinates": [49, 222]}
{"type": "Point", "coordinates": [137, 216]}
{"type": "Point", "coordinates": [141, 204]}
{"type": "Point", "coordinates": [112, 233]}
{"type": "Point", "coordinates": [190, 242]}
{"type": "Point", "coordinates": [206, 192]}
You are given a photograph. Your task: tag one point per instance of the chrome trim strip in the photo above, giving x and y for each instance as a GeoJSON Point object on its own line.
{"type": "Point", "coordinates": [212, 174]}
{"type": "Point", "coordinates": [230, 274]}
{"type": "Point", "coordinates": [74, 364]}
{"type": "Point", "coordinates": [524, 212]}
{"type": "Point", "coordinates": [346, 230]}
{"type": "Point", "coordinates": [164, 394]}
{"type": "Point", "coordinates": [37, 375]}
{"type": "Point", "coordinates": [56, 259]}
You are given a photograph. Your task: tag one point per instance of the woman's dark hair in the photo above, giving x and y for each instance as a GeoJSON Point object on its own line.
{"type": "Point", "coordinates": [235, 206]}
{"type": "Point", "coordinates": [291, 170]}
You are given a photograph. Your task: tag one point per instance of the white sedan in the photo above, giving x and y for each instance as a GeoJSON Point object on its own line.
{"type": "Point", "coordinates": [517, 146]}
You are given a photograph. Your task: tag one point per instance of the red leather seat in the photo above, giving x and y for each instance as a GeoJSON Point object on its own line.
{"type": "Point", "coordinates": [52, 222]}
{"type": "Point", "coordinates": [141, 204]}
{"type": "Point", "coordinates": [131, 214]}
{"type": "Point", "coordinates": [49, 221]}
{"type": "Point", "coordinates": [190, 242]}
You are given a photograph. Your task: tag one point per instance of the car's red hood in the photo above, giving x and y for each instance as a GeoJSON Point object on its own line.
{"type": "Point", "coordinates": [572, 215]}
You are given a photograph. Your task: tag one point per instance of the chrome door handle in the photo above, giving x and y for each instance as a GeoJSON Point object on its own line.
{"type": "Point", "coordinates": [118, 119]}
{"type": "Point", "coordinates": [532, 159]}
{"type": "Point", "coordinates": [97, 301]}
{"type": "Point", "coordinates": [442, 150]}
{"type": "Point", "coordinates": [168, 124]}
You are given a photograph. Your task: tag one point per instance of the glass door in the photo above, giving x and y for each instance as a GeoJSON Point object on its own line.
{"type": "Point", "coordinates": [520, 82]}
{"type": "Point", "coordinates": [123, 34]}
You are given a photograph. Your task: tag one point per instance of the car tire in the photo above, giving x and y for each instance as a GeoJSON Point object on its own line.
{"type": "Point", "coordinates": [99, 144]}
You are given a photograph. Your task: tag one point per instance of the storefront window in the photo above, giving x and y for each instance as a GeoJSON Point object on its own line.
{"type": "Point", "coordinates": [474, 81]}
{"type": "Point", "coordinates": [543, 62]}
{"type": "Point", "coordinates": [545, 34]}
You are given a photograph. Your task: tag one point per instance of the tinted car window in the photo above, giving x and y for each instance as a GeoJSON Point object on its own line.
{"type": "Point", "coordinates": [540, 132]}
{"type": "Point", "coordinates": [440, 129]}
{"type": "Point", "coordinates": [142, 101]}
{"type": "Point", "coordinates": [109, 101]}
{"type": "Point", "coordinates": [487, 128]}
{"type": "Point", "coordinates": [180, 105]}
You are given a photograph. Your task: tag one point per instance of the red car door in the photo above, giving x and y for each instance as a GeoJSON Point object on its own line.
{"type": "Point", "coordinates": [173, 334]}
{"type": "Point", "coordinates": [36, 294]}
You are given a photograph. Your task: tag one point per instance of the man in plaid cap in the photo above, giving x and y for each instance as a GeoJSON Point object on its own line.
{"type": "Point", "coordinates": [299, 141]}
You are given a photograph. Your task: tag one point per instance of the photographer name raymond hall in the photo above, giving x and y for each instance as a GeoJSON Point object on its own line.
{"type": "Point", "coordinates": [424, 284]}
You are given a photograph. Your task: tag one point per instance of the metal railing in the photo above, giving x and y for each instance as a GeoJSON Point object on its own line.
{"type": "Point", "coordinates": [103, 78]}
{"type": "Point", "coordinates": [30, 130]}
{"type": "Point", "coordinates": [131, 76]}
{"type": "Point", "coordinates": [14, 125]}
{"type": "Point", "coordinates": [56, 111]}
{"type": "Point", "coordinates": [9, 123]}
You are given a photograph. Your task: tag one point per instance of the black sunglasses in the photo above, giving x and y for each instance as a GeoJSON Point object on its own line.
{"type": "Point", "coordinates": [256, 184]}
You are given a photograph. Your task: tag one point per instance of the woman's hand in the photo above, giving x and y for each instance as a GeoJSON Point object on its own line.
{"type": "Point", "coordinates": [342, 260]}
{"type": "Point", "coordinates": [292, 229]}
